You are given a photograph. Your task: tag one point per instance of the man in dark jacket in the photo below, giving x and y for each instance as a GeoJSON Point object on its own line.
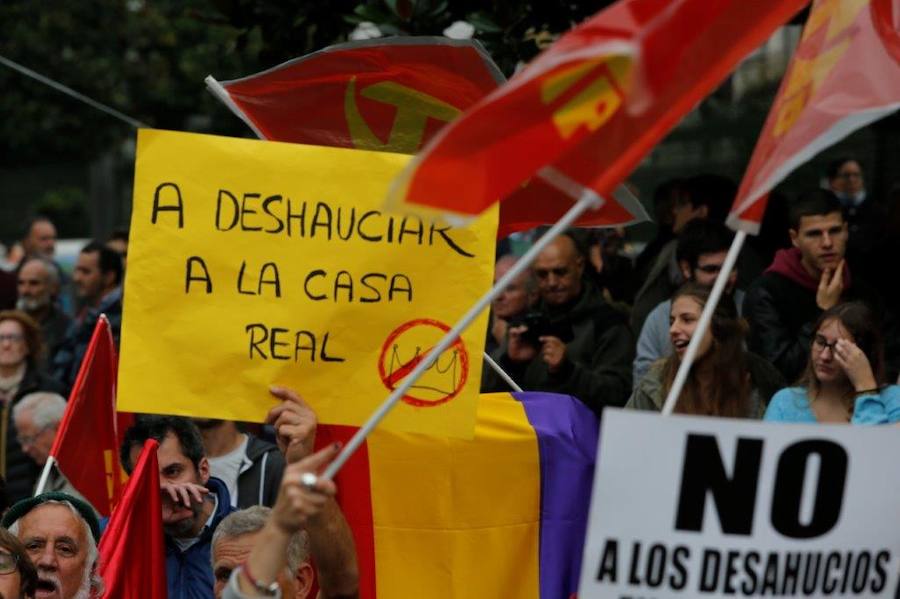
{"type": "Point", "coordinates": [193, 502]}
{"type": "Point", "coordinates": [585, 346]}
{"type": "Point", "coordinates": [784, 303]}
{"type": "Point", "coordinates": [38, 286]}
{"type": "Point", "coordinates": [250, 467]}
{"type": "Point", "coordinates": [98, 285]}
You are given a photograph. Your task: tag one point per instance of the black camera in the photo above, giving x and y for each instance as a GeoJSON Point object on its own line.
{"type": "Point", "coordinates": [539, 325]}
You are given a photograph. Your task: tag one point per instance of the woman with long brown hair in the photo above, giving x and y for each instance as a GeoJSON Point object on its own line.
{"type": "Point", "coordinates": [844, 377]}
{"type": "Point", "coordinates": [725, 379]}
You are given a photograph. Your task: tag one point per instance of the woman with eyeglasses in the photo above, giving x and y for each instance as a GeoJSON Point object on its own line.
{"type": "Point", "coordinates": [844, 377]}
{"type": "Point", "coordinates": [18, 576]}
{"type": "Point", "coordinates": [725, 379]}
{"type": "Point", "coordinates": [20, 351]}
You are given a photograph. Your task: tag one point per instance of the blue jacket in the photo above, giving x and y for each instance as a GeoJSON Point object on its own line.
{"type": "Point", "coordinates": [67, 359]}
{"type": "Point", "coordinates": [189, 573]}
{"type": "Point", "coordinates": [792, 405]}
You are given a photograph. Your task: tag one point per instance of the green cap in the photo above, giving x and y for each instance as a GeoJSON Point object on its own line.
{"type": "Point", "coordinates": [26, 505]}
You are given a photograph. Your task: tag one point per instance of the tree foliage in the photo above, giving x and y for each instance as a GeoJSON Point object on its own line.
{"type": "Point", "coordinates": [148, 59]}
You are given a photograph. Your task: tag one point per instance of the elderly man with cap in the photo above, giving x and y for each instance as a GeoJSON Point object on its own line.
{"type": "Point", "coordinates": [18, 577]}
{"type": "Point", "coordinates": [60, 535]}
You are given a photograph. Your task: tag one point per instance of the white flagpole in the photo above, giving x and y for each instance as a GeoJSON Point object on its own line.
{"type": "Point", "coordinates": [502, 373]}
{"type": "Point", "coordinates": [45, 475]}
{"type": "Point", "coordinates": [587, 200]}
{"type": "Point", "coordinates": [703, 324]}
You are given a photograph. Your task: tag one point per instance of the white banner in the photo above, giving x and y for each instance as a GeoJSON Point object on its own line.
{"type": "Point", "coordinates": [706, 507]}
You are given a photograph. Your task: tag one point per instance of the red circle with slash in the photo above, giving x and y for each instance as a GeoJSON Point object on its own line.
{"type": "Point", "coordinates": [391, 379]}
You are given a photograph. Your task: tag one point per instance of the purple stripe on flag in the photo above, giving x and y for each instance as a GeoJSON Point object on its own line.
{"type": "Point", "coordinates": [567, 433]}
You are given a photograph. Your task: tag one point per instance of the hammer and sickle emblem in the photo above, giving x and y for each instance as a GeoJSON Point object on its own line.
{"type": "Point", "coordinates": [596, 102]}
{"type": "Point", "coordinates": [414, 108]}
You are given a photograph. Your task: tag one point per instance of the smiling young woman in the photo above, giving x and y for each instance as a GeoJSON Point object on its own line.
{"type": "Point", "coordinates": [844, 377]}
{"type": "Point", "coordinates": [725, 379]}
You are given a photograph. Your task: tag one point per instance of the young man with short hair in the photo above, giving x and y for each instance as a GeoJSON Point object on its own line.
{"type": "Point", "coordinates": [802, 281]}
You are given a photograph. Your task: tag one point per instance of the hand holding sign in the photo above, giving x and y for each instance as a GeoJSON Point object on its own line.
{"type": "Point", "coordinates": [295, 424]}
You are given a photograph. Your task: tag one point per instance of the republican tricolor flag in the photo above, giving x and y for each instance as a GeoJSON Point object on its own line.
{"type": "Point", "coordinates": [500, 515]}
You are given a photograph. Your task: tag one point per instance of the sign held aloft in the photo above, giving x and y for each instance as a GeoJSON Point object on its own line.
{"type": "Point", "coordinates": [741, 509]}
{"type": "Point", "coordinates": [255, 263]}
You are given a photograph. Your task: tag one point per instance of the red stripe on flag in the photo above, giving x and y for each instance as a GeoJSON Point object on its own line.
{"type": "Point", "coordinates": [355, 499]}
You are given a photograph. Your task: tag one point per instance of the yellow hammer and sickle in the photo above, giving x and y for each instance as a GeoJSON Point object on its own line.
{"type": "Point", "coordinates": [593, 105]}
{"type": "Point", "coordinates": [414, 108]}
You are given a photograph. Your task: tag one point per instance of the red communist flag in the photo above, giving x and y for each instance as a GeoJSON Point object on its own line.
{"type": "Point", "coordinates": [132, 550]}
{"type": "Point", "coordinates": [392, 94]}
{"type": "Point", "coordinates": [844, 75]}
{"type": "Point", "coordinates": [590, 108]}
{"type": "Point", "coordinates": [86, 448]}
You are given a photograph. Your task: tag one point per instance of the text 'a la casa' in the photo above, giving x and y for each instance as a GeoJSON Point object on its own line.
{"type": "Point", "coordinates": [318, 285]}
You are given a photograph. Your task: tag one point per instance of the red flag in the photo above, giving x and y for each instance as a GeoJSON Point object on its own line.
{"type": "Point", "coordinates": [844, 75]}
{"type": "Point", "coordinates": [86, 447]}
{"type": "Point", "coordinates": [391, 94]}
{"type": "Point", "coordinates": [132, 550]}
{"type": "Point", "coordinates": [591, 107]}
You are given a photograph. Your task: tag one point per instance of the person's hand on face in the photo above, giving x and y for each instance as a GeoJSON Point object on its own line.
{"type": "Point", "coordinates": [831, 285]}
{"type": "Point", "coordinates": [855, 364]}
{"type": "Point", "coordinates": [181, 501]}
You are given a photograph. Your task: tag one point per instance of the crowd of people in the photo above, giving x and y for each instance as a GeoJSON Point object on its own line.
{"type": "Point", "coordinates": [791, 314]}
{"type": "Point", "coordinates": [803, 333]}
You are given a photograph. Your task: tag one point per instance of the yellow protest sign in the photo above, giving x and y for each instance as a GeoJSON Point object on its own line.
{"type": "Point", "coordinates": [254, 263]}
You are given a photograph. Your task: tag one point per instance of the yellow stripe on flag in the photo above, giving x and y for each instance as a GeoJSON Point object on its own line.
{"type": "Point", "coordinates": [456, 518]}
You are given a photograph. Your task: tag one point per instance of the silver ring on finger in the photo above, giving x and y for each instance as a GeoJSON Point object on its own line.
{"type": "Point", "coordinates": [309, 480]}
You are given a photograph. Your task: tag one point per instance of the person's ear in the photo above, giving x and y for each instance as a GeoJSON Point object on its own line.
{"type": "Point", "coordinates": [795, 237]}
{"type": "Point", "coordinates": [304, 580]}
{"type": "Point", "coordinates": [203, 470]}
{"type": "Point", "coordinates": [685, 267]}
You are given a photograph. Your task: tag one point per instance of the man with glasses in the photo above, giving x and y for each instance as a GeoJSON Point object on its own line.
{"type": "Point", "coordinates": [36, 418]}
{"type": "Point", "coordinates": [579, 345]}
{"type": "Point", "coordinates": [18, 577]}
{"type": "Point", "coordinates": [700, 253]}
{"type": "Point", "coordinates": [865, 217]}
{"type": "Point", "coordinates": [60, 535]}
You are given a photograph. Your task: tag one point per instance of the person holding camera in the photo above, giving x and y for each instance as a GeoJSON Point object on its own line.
{"type": "Point", "coordinates": [574, 342]}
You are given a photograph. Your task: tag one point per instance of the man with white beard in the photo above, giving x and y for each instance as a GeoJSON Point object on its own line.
{"type": "Point", "coordinates": [38, 287]}
{"type": "Point", "coordinates": [60, 536]}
